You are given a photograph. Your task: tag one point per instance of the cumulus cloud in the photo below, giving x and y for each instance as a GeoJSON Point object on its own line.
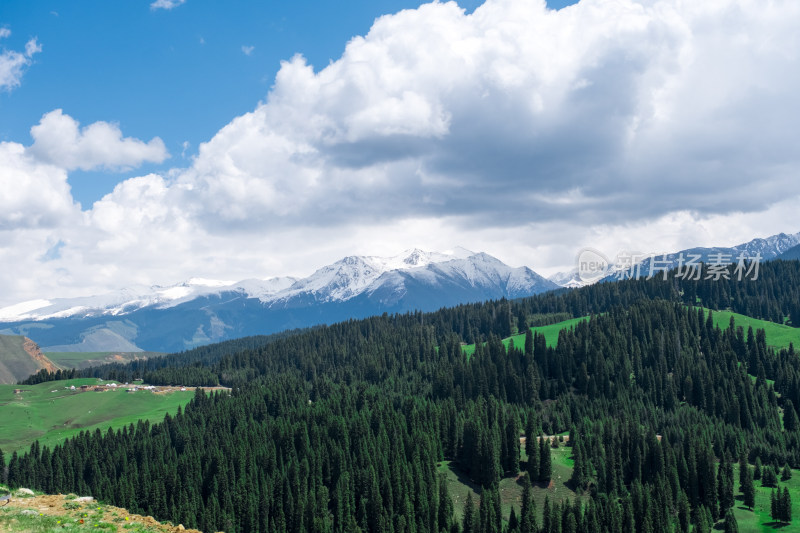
{"type": "Point", "coordinates": [35, 195]}
{"type": "Point", "coordinates": [516, 113]}
{"type": "Point", "coordinates": [13, 63]}
{"type": "Point", "coordinates": [517, 130]}
{"type": "Point", "coordinates": [166, 4]}
{"type": "Point", "coordinates": [58, 139]}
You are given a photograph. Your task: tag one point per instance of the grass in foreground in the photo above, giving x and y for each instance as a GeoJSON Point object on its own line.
{"type": "Point", "coordinates": [43, 513]}
{"type": "Point", "coordinates": [50, 412]}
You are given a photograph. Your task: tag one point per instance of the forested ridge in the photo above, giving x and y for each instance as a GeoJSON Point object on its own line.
{"type": "Point", "coordinates": [340, 428]}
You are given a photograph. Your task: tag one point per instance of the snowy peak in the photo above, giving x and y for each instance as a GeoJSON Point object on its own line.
{"type": "Point", "coordinates": [472, 276]}
{"type": "Point", "coordinates": [354, 275]}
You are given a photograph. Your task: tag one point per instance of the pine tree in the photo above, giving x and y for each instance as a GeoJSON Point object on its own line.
{"type": "Point", "coordinates": [731, 526]}
{"type": "Point", "coordinates": [532, 450]}
{"type": "Point", "coordinates": [528, 518]}
{"type": "Point", "coordinates": [513, 523]}
{"type": "Point", "coordinates": [774, 506]}
{"type": "Point", "coordinates": [786, 506]}
{"type": "Point", "coordinates": [445, 511]}
{"type": "Point", "coordinates": [469, 525]}
{"type": "Point", "coordinates": [786, 473]}
{"type": "Point", "coordinates": [757, 469]}
{"type": "Point", "coordinates": [545, 461]}
{"type": "Point", "coordinates": [768, 477]}
{"type": "Point", "coordinates": [790, 421]}
{"type": "Point", "coordinates": [725, 485]}
{"type": "Point", "coordinates": [747, 487]}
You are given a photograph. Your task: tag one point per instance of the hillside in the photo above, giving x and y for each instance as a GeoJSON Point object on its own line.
{"type": "Point", "coordinates": [380, 423]}
{"type": "Point", "coordinates": [50, 412]}
{"type": "Point", "coordinates": [28, 511]}
{"type": "Point", "coordinates": [20, 357]}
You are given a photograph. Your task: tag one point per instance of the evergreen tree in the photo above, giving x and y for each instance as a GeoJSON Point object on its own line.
{"type": "Point", "coordinates": [768, 477]}
{"type": "Point", "coordinates": [757, 469]}
{"type": "Point", "coordinates": [725, 485]}
{"type": "Point", "coordinates": [532, 449]}
{"type": "Point", "coordinates": [790, 421]}
{"type": "Point", "coordinates": [513, 523]}
{"type": "Point", "coordinates": [3, 475]}
{"type": "Point", "coordinates": [545, 461]}
{"type": "Point", "coordinates": [786, 473]}
{"type": "Point", "coordinates": [469, 525]}
{"type": "Point", "coordinates": [747, 487]}
{"type": "Point", "coordinates": [731, 526]}
{"type": "Point", "coordinates": [528, 518]}
{"type": "Point", "coordinates": [445, 507]}
{"type": "Point", "coordinates": [787, 505]}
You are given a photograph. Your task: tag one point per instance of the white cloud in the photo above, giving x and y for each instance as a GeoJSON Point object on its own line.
{"type": "Point", "coordinates": [517, 130]}
{"type": "Point", "coordinates": [166, 4]}
{"type": "Point", "coordinates": [13, 63]}
{"type": "Point", "coordinates": [35, 195]}
{"type": "Point", "coordinates": [58, 139]}
{"type": "Point", "coordinates": [248, 50]}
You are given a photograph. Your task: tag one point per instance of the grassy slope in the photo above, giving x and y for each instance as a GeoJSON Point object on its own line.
{"type": "Point", "coordinates": [44, 513]}
{"type": "Point", "coordinates": [511, 487]}
{"type": "Point", "coordinates": [49, 417]}
{"type": "Point", "coordinates": [82, 360]}
{"type": "Point", "coordinates": [754, 521]}
{"type": "Point", "coordinates": [15, 362]}
{"type": "Point", "coordinates": [759, 519]}
{"type": "Point", "coordinates": [778, 335]}
{"type": "Point", "coordinates": [550, 334]}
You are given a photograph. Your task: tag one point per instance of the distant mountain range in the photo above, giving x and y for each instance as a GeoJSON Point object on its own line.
{"type": "Point", "coordinates": [201, 311]}
{"type": "Point", "coordinates": [791, 253]}
{"type": "Point", "coordinates": [168, 319]}
{"type": "Point", "coordinates": [780, 246]}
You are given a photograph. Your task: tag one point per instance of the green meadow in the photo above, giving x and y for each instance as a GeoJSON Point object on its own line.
{"type": "Point", "coordinates": [778, 335]}
{"type": "Point", "coordinates": [81, 360]}
{"type": "Point", "coordinates": [550, 333]}
{"type": "Point", "coordinates": [750, 521]}
{"type": "Point", "coordinates": [50, 412]}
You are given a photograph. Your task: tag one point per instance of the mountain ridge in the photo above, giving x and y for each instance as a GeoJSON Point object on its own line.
{"type": "Point", "coordinates": [198, 311]}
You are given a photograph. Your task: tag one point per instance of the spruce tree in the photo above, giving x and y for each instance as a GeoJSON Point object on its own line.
{"type": "Point", "coordinates": [528, 518]}
{"type": "Point", "coordinates": [786, 506]}
{"type": "Point", "coordinates": [790, 421]}
{"type": "Point", "coordinates": [445, 511]}
{"type": "Point", "coordinates": [786, 473]}
{"type": "Point", "coordinates": [532, 450]}
{"type": "Point", "coordinates": [725, 485]}
{"type": "Point", "coordinates": [469, 525]}
{"type": "Point", "coordinates": [545, 461]}
{"type": "Point", "coordinates": [747, 487]}
{"type": "Point", "coordinates": [731, 526]}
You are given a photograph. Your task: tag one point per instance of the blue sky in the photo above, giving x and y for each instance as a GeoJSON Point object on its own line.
{"type": "Point", "coordinates": [143, 145]}
{"type": "Point", "coordinates": [180, 74]}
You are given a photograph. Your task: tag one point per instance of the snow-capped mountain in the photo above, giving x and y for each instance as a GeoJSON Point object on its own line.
{"type": "Point", "coordinates": [127, 300]}
{"type": "Point", "coordinates": [201, 311]}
